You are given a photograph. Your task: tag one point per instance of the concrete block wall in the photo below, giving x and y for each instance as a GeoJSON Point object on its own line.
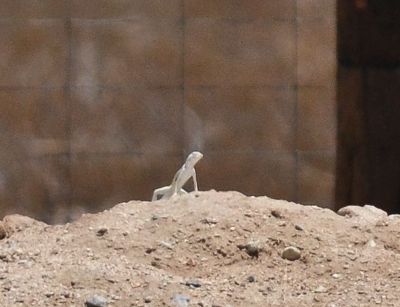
{"type": "Point", "coordinates": [100, 101]}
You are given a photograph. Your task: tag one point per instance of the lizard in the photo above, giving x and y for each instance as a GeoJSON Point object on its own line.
{"type": "Point", "coordinates": [186, 172]}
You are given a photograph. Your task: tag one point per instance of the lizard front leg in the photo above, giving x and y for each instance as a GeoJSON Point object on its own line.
{"type": "Point", "coordinates": [195, 181]}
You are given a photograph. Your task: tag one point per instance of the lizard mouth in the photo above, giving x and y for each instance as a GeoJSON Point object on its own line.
{"type": "Point", "coordinates": [197, 155]}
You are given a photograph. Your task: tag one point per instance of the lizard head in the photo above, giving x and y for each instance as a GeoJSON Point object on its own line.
{"type": "Point", "coordinates": [193, 158]}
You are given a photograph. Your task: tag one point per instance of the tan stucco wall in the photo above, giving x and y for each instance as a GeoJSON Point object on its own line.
{"type": "Point", "coordinates": [101, 100]}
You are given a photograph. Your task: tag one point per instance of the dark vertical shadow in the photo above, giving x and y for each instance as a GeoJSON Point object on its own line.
{"type": "Point", "coordinates": [368, 156]}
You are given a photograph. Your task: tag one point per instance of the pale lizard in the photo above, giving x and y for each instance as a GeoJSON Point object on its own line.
{"type": "Point", "coordinates": [186, 172]}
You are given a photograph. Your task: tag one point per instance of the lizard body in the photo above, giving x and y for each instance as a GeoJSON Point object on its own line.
{"type": "Point", "coordinates": [186, 172]}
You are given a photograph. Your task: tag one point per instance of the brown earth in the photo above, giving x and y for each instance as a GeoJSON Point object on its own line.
{"type": "Point", "coordinates": [210, 249]}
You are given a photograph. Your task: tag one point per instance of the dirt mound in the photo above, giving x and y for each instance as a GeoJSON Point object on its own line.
{"type": "Point", "coordinates": [213, 249]}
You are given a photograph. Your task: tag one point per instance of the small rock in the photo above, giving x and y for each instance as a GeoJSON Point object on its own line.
{"type": "Point", "coordinates": [277, 214]}
{"type": "Point", "coordinates": [252, 249]}
{"type": "Point", "coordinates": [371, 243]}
{"type": "Point", "coordinates": [298, 227]}
{"type": "Point", "coordinates": [251, 278]}
{"type": "Point", "coordinates": [180, 300]}
{"type": "Point", "coordinates": [156, 264]}
{"type": "Point", "coordinates": [394, 217]}
{"type": "Point", "coordinates": [101, 232]}
{"type": "Point", "coordinates": [147, 299]}
{"type": "Point", "coordinates": [15, 223]}
{"type": "Point", "coordinates": [366, 215]}
{"type": "Point", "coordinates": [66, 294]}
{"type": "Point", "coordinates": [96, 301]}
{"type": "Point", "coordinates": [166, 245]}
{"type": "Point", "coordinates": [291, 253]}
{"type": "Point", "coordinates": [193, 283]}
{"type": "Point", "coordinates": [149, 250]}
{"type": "Point", "coordinates": [320, 289]}
{"type": "Point", "coordinates": [115, 297]}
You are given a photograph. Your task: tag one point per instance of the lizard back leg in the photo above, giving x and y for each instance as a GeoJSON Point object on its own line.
{"type": "Point", "coordinates": [160, 192]}
{"type": "Point", "coordinates": [180, 192]}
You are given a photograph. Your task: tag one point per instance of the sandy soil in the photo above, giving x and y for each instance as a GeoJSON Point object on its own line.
{"type": "Point", "coordinates": [210, 249]}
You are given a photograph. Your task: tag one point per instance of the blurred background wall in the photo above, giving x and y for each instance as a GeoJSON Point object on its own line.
{"type": "Point", "coordinates": [101, 100]}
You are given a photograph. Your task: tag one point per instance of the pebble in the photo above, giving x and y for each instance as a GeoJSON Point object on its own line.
{"type": "Point", "coordinates": [166, 245]}
{"type": "Point", "coordinates": [101, 232]}
{"type": "Point", "coordinates": [371, 243]}
{"type": "Point", "coordinates": [299, 227]}
{"type": "Point", "coordinates": [366, 215]}
{"type": "Point", "coordinates": [291, 253]}
{"type": "Point", "coordinates": [252, 249]}
{"type": "Point", "coordinates": [277, 214]}
{"type": "Point", "coordinates": [155, 264]}
{"type": "Point", "coordinates": [180, 300]}
{"type": "Point", "coordinates": [96, 301]}
{"type": "Point", "coordinates": [193, 283]}
{"type": "Point", "coordinates": [147, 299]}
{"type": "Point", "coordinates": [149, 250]}
{"type": "Point", "coordinates": [394, 217]}
{"type": "Point", "coordinates": [320, 289]}
{"type": "Point", "coordinates": [251, 278]}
